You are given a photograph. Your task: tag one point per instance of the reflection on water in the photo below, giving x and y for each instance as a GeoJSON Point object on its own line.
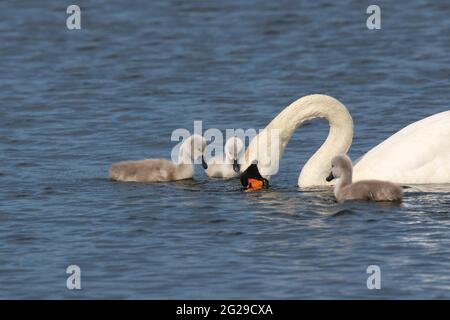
{"type": "Point", "coordinates": [429, 188]}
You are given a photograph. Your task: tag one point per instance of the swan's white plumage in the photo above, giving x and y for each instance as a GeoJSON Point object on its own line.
{"type": "Point", "coordinates": [419, 153]}
{"type": "Point", "coordinates": [268, 146]}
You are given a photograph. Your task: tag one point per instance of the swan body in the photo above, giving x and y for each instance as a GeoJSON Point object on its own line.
{"type": "Point", "coordinates": [160, 170]}
{"type": "Point", "coordinates": [226, 165]}
{"type": "Point", "coordinates": [369, 190]}
{"type": "Point", "coordinates": [418, 154]}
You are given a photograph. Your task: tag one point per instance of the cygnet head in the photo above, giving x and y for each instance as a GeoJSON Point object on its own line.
{"type": "Point", "coordinates": [233, 148]}
{"type": "Point", "coordinates": [192, 149]}
{"type": "Point", "coordinates": [340, 165]}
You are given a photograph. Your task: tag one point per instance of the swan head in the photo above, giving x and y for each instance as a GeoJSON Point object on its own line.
{"type": "Point", "coordinates": [192, 149]}
{"type": "Point", "coordinates": [252, 180]}
{"type": "Point", "coordinates": [232, 150]}
{"type": "Point", "coordinates": [340, 165]}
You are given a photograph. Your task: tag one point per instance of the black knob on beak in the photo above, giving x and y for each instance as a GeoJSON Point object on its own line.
{"type": "Point", "coordinates": [250, 175]}
{"type": "Point", "coordinates": [236, 166]}
{"type": "Point", "coordinates": [330, 177]}
{"type": "Point", "coordinates": [204, 164]}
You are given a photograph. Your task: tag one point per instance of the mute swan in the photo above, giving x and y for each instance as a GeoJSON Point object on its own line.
{"type": "Point", "coordinates": [374, 190]}
{"type": "Point", "coordinates": [417, 154]}
{"type": "Point", "coordinates": [226, 165]}
{"type": "Point", "coordinates": [159, 170]}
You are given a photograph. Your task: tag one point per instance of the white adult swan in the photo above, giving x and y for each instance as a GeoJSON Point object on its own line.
{"type": "Point", "coordinates": [417, 154]}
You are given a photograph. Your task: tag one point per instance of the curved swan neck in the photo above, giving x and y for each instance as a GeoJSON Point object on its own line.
{"type": "Point", "coordinates": [338, 141]}
{"type": "Point", "coordinates": [292, 117]}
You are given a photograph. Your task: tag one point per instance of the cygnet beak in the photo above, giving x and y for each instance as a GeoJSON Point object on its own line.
{"type": "Point", "coordinates": [204, 164]}
{"type": "Point", "coordinates": [330, 177]}
{"type": "Point", "coordinates": [236, 166]}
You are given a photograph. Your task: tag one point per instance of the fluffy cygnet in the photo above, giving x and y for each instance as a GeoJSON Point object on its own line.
{"type": "Point", "coordinates": [159, 170]}
{"type": "Point", "coordinates": [226, 165]}
{"type": "Point", "coordinates": [370, 190]}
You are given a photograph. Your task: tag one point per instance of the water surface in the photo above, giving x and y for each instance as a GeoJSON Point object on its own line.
{"type": "Point", "coordinates": [73, 102]}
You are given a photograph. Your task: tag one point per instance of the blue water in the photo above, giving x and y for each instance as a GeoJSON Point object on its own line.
{"type": "Point", "coordinates": [73, 102]}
